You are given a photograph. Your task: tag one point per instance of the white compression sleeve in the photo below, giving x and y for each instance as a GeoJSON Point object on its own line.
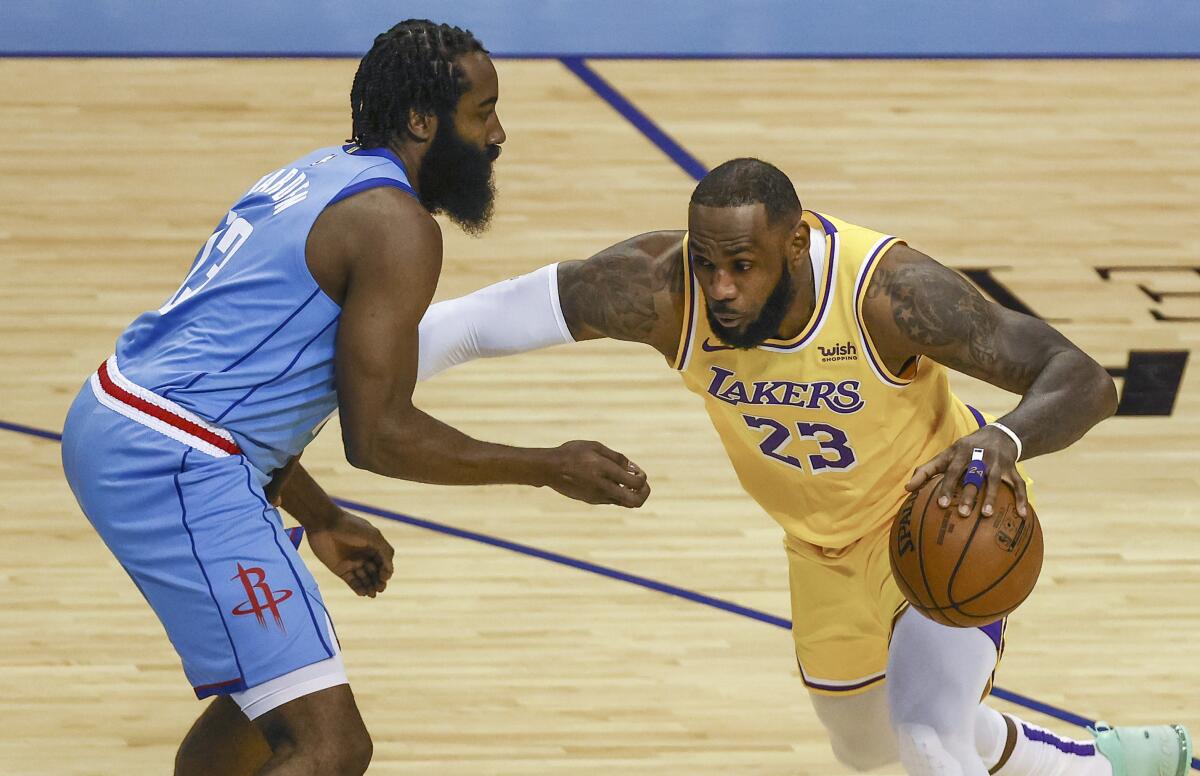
{"type": "Point", "coordinates": [513, 316]}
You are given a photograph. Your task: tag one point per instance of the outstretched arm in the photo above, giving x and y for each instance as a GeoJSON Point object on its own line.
{"type": "Point", "coordinates": [917, 307]}
{"type": "Point", "coordinates": [630, 291]}
{"type": "Point", "coordinates": [389, 252]}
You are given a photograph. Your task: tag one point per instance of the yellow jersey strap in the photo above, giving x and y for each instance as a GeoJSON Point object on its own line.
{"type": "Point", "coordinates": [873, 257]}
{"type": "Point", "coordinates": [687, 330]}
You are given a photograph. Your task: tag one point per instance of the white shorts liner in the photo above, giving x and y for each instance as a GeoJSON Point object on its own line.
{"type": "Point", "coordinates": [258, 700]}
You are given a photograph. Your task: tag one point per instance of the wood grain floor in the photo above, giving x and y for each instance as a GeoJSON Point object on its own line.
{"type": "Point", "coordinates": [482, 661]}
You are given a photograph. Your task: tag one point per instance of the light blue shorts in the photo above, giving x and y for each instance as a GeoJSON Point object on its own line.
{"type": "Point", "coordinates": [199, 539]}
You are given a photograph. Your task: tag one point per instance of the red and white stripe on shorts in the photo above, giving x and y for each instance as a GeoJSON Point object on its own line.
{"type": "Point", "coordinates": [116, 392]}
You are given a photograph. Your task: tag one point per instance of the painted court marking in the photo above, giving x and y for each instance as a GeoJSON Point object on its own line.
{"type": "Point", "coordinates": [611, 573]}
{"type": "Point", "coordinates": [696, 169]}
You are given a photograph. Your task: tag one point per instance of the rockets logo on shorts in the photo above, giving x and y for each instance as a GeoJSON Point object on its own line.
{"type": "Point", "coordinates": [256, 588]}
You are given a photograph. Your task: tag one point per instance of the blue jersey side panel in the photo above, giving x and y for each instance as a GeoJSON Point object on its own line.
{"type": "Point", "coordinates": [247, 342]}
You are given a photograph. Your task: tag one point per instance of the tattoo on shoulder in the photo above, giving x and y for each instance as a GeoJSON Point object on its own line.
{"type": "Point", "coordinates": [935, 307]}
{"type": "Point", "coordinates": [619, 292]}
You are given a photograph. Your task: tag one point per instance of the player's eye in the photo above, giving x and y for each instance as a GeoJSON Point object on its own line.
{"type": "Point", "coordinates": [743, 266]}
{"type": "Point", "coordinates": [701, 263]}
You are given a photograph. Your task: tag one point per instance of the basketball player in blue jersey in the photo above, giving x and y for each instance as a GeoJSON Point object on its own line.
{"type": "Point", "coordinates": [306, 299]}
{"type": "Point", "coordinates": [818, 348]}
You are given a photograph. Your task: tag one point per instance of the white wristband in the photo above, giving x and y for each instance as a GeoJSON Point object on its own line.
{"type": "Point", "coordinates": [1011, 435]}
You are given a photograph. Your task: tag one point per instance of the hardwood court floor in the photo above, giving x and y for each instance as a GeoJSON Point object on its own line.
{"type": "Point", "coordinates": [479, 660]}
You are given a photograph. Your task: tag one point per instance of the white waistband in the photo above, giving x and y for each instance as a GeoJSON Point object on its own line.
{"type": "Point", "coordinates": [160, 414]}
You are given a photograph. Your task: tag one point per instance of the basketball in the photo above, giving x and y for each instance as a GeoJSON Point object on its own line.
{"type": "Point", "coordinates": [965, 571]}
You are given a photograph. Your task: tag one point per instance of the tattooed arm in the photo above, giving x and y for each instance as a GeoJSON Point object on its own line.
{"type": "Point", "coordinates": [917, 307]}
{"type": "Point", "coordinates": [632, 291]}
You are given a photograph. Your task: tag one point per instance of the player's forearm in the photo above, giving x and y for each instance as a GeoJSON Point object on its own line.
{"type": "Point", "coordinates": [421, 448]}
{"type": "Point", "coordinates": [302, 498]}
{"type": "Point", "coordinates": [1068, 396]}
{"type": "Point", "coordinates": [514, 316]}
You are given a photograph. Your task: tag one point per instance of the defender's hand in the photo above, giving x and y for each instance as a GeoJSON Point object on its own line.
{"type": "Point", "coordinates": [590, 472]}
{"type": "Point", "coordinates": [356, 551]}
{"type": "Point", "coordinates": [999, 459]}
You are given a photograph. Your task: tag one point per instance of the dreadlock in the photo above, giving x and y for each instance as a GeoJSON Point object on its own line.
{"type": "Point", "coordinates": [748, 181]}
{"type": "Point", "coordinates": [409, 67]}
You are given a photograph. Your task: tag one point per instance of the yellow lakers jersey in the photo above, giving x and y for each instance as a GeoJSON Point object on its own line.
{"type": "Point", "coordinates": [821, 434]}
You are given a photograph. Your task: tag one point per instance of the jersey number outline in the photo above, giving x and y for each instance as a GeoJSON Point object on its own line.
{"type": "Point", "coordinates": [225, 242]}
{"type": "Point", "coordinates": [778, 437]}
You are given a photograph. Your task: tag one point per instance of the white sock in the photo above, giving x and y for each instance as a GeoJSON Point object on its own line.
{"type": "Point", "coordinates": [991, 735]}
{"type": "Point", "coordinates": [1035, 751]}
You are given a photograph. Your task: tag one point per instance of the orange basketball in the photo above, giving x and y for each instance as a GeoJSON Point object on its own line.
{"type": "Point", "coordinates": [965, 571]}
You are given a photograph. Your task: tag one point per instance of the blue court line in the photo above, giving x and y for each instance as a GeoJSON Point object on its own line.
{"type": "Point", "coordinates": [30, 430]}
{"type": "Point", "coordinates": [690, 164]}
{"type": "Point", "coordinates": [563, 560]}
{"type": "Point", "coordinates": [621, 576]}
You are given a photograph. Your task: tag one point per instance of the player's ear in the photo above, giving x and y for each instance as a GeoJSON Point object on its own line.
{"type": "Point", "coordinates": [422, 126]}
{"type": "Point", "coordinates": [801, 238]}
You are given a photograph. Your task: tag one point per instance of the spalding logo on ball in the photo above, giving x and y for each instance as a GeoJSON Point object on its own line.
{"type": "Point", "coordinates": [965, 571]}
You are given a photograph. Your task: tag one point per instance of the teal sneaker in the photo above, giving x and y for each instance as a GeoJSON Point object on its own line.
{"type": "Point", "coordinates": [1161, 750]}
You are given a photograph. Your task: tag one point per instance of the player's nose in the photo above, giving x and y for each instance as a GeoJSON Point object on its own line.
{"type": "Point", "coordinates": [496, 133]}
{"type": "Point", "coordinates": [723, 287]}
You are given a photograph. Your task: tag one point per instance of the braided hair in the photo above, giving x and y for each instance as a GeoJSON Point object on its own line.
{"type": "Point", "coordinates": [409, 67]}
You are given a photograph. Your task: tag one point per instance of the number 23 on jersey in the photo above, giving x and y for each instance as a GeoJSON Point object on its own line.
{"type": "Point", "coordinates": [835, 451]}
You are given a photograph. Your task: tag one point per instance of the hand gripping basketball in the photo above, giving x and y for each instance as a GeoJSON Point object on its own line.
{"type": "Point", "coordinates": [976, 463]}
{"type": "Point", "coordinates": [961, 572]}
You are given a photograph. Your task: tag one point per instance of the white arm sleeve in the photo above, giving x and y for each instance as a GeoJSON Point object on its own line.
{"type": "Point", "coordinates": [509, 317]}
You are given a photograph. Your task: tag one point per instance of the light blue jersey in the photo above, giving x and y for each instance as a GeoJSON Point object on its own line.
{"type": "Point", "coordinates": [247, 342]}
{"type": "Point", "coordinates": [168, 445]}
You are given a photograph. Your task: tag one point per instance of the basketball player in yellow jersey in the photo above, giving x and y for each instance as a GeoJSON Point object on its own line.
{"type": "Point", "coordinates": [820, 350]}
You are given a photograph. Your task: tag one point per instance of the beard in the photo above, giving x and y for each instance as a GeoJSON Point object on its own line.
{"type": "Point", "coordinates": [766, 325]}
{"type": "Point", "coordinates": [456, 179]}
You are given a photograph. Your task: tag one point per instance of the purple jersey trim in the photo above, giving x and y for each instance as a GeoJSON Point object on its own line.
{"type": "Point", "coordinates": [693, 299]}
{"type": "Point", "coordinates": [1065, 745]}
{"type": "Point", "coordinates": [841, 687]}
{"type": "Point", "coordinates": [818, 320]}
{"type": "Point", "coordinates": [825, 223]}
{"type": "Point", "coordinates": [995, 632]}
{"type": "Point", "coordinates": [859, 288]}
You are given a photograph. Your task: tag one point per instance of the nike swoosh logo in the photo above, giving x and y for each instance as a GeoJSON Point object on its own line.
{"type": "Point", "coordinates": [713, 348]}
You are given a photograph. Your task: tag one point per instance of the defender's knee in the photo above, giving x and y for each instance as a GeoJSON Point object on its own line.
{"type": "Point", "coordinates": [358, 752]}
{"type": "Point", "coordinates": [344, 750]}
